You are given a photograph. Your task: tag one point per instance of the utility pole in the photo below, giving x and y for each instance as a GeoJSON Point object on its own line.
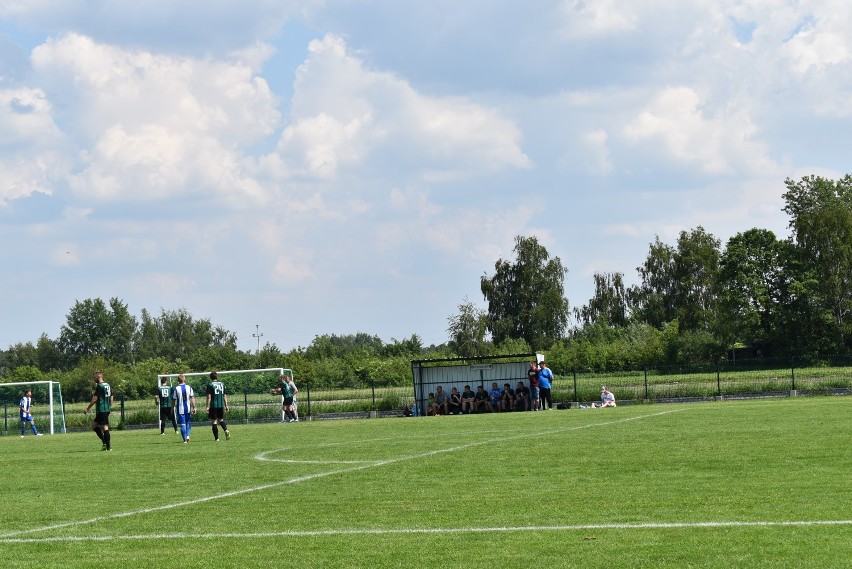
{"type": "Point", "coordinates": [257, 335]}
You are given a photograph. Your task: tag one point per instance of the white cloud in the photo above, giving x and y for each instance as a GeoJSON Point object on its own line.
{"type": "Point", "coordinates": [150, 125]}
{"type": "Point", "coordinates": [31, 145]}
{"type": "Point", "coordinates": [346, 115]}
{"type": "Point", "coordinates": [718, 144]}
{"type": "Point", "coordinates": [589, 18]}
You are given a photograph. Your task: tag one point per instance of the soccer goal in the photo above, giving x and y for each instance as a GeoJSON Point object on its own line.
{"type": "Point", "coordinates": [253, 384]}
{"type": "Point", "coordinates": [48, 409]}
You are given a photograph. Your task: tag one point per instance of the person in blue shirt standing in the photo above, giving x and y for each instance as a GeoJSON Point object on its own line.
{"type": "Point", "coordinates": [26, 405]}
{"type": "Point", "coordinates": [183, 403]}
{"type": "Point", "coordinates": [545, 382]}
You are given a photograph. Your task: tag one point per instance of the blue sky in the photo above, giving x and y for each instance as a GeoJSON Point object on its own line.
{"type": "Point", "coordinates": [342, 166]}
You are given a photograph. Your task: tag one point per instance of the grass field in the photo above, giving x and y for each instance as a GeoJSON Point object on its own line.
{"type": "Point", "coordinates": [732, 484]}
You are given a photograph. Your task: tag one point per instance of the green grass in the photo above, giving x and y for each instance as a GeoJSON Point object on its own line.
{"type": "Point", "coordinates": [578, 488]}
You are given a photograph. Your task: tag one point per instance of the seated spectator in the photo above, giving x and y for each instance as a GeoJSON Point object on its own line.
{"type": "Point", "coordinates": [431, 409]}
{"type": "Point", "coordinates": [468, 400]}
{"type": "Point", "coordinates": [607, 398]}
{"type": "Point", "coordinates": [483, 403]}
{"type": "Point", "coordinates": [441, 401]}
{"type": "Point", "coordinates": [507, 398]}
{"type": "Point", "coordinates": [454, 403]}
{"type": "Point", "coordinates": [496, 395]}
{"type": "Point", "coordinates": [522, 397]}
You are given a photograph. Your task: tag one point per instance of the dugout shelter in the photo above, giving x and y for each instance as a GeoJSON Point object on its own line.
{"type": "Point", "coordinates": [473, 371]}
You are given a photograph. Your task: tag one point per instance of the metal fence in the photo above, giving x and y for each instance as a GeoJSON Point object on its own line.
{"type": "Point", "coordinates": [723, 380]}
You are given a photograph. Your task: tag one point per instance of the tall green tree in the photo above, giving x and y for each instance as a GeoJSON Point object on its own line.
{"type": "Point", "coordinates": [678, 283]}
{"type": "Point", "coordinates": [821, 218]}
{"type": "Point", "coordinates": [468, 330]}
{"type": "Point", "coordinates": [696, 268]}
{"type": "Point", "coordinates": [654, 299]}
{"type": "Point", "coordinates": [608, 305]}
{"type": "Point", "coordinates": [93, 328]}
{"type": "Point", "coordinates": [752, 281]}
{"type": "Point", "coordinates": [526, 297]}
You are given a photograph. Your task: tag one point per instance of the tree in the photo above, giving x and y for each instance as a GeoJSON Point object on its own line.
{"type": "Point", "coordinates": [678, 283]}
{"type": "Point", "coordinates": [751, 284]}
{"type": "Point", "coordinates": [468, 330]}
{"type": "Point", "coordinates": [821, 219]}
{"type": "Point", "coordinates": [93, 329]}
{"type": "Point", "coordinates": [177, 334]}
{"type": "Point", "coordinates": [526, 298]}
{"type": "Point", "coordinates": [696, 267]}
{"type": "Point", "coordinates": [608, 305]}
{"type": "Point", "coordinates": [654, 299]}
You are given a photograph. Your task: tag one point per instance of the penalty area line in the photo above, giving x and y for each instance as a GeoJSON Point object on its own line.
{"type": "Point", "coordinates": [355, 532]}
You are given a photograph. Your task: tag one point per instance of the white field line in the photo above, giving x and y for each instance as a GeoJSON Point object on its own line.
{"type": "Point", "coordinates": [346, 532]}
{"type": "Point", "coordinates": [309, 477]}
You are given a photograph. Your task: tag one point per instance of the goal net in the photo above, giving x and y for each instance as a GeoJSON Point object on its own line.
{"type": "Point", "coordinates": [251, 386]}
{"type": "Point", "coordinates": [47, 409]}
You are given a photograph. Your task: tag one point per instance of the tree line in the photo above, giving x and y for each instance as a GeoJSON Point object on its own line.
{"type": "Point", "coordinates": [760, 296]}
{"type": "Point", "coordinates": [694, 302]}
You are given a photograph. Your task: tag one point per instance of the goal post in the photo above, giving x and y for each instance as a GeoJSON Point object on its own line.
{"type": "Point", "coordinates": [47, 405]}
{"type": "Point", "coordinates": [245, 381]}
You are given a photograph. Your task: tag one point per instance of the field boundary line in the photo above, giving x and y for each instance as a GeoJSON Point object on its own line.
{"type": "Point", "coordinates": [316, 475]}
{"type": "Point", "coordinates": [344, 532]}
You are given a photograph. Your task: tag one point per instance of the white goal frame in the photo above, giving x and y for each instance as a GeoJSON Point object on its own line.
{"type": "Point", "coordinates": [280, 370]}
{"type": "Point", "coordinates": [51, 402]}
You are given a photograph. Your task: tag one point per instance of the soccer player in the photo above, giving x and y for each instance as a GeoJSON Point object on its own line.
{"type": "Point", "coordinates": [102, 400]}
{"type": "Point", "coordinates": [183, 404]}
{"type": "Point", "coordinates": [288, 390]}
{"type": "Point", "coordinates": [217, 405]}
{"type": "Point", "coordinates": [164, 399]}
{"type": "Point", "coordinates": [26, 405]}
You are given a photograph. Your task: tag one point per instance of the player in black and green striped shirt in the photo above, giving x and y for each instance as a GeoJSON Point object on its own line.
{"type": "Point", "coordinates": [164, 399]}
{"type": "Point", "coordinates": [217, 405]}
{"type": "Point", "coordinates": [102, 399]}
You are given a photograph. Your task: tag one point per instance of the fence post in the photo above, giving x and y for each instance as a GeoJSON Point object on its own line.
{"type": "Point", "coordinates": [308, 383]}
{"type": "Point", "coordinates": [576, 397]}
{"type": "Point", "coordinates": [373, 387]}
{"type": "Point", "coordinates": [245, 407]}
{"type": "Point", "coordinates": [718, 380]}
{"type": "Point", "coordinates": [5, 417]}
{"type": "Point", "coordinates": [645, 372]}
{"type": "Point", "coordinates": [121, 399]}
{"type": "Point", "coordinates": [793, 392]}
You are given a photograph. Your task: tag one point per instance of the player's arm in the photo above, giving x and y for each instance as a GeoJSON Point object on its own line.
{"type": "Point", "coordinates": [92, 402]}
{"type": "Point", "coordinates": [275, 391]}
{"type": "Point", "coordinates": [192, 404]}
{"type": "Point", "coordinates": [294, 388]}
{"type": "Point", "coordinates": [208, 400]}
{"type": "Point", "coordinates": [225, 397]}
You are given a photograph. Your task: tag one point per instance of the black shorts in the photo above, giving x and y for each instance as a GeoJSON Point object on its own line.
{"type": "Point", "coordinates": [166, 413]}
{"type": "Point", "coordinates": [287, 402]}
{"type": "Point", "coordinates": [102, 418]}
{"type": "Point", "coordinates": [216, 413]}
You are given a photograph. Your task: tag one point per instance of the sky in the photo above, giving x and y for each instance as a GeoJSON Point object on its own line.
{"type": "Point", "coordinates": [291, 168]}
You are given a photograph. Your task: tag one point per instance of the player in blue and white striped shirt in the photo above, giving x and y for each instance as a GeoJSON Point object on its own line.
{"type": "Point", "coordinates": [26, 405]}
{"type": "Point", "coordinates": [183, 403]}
